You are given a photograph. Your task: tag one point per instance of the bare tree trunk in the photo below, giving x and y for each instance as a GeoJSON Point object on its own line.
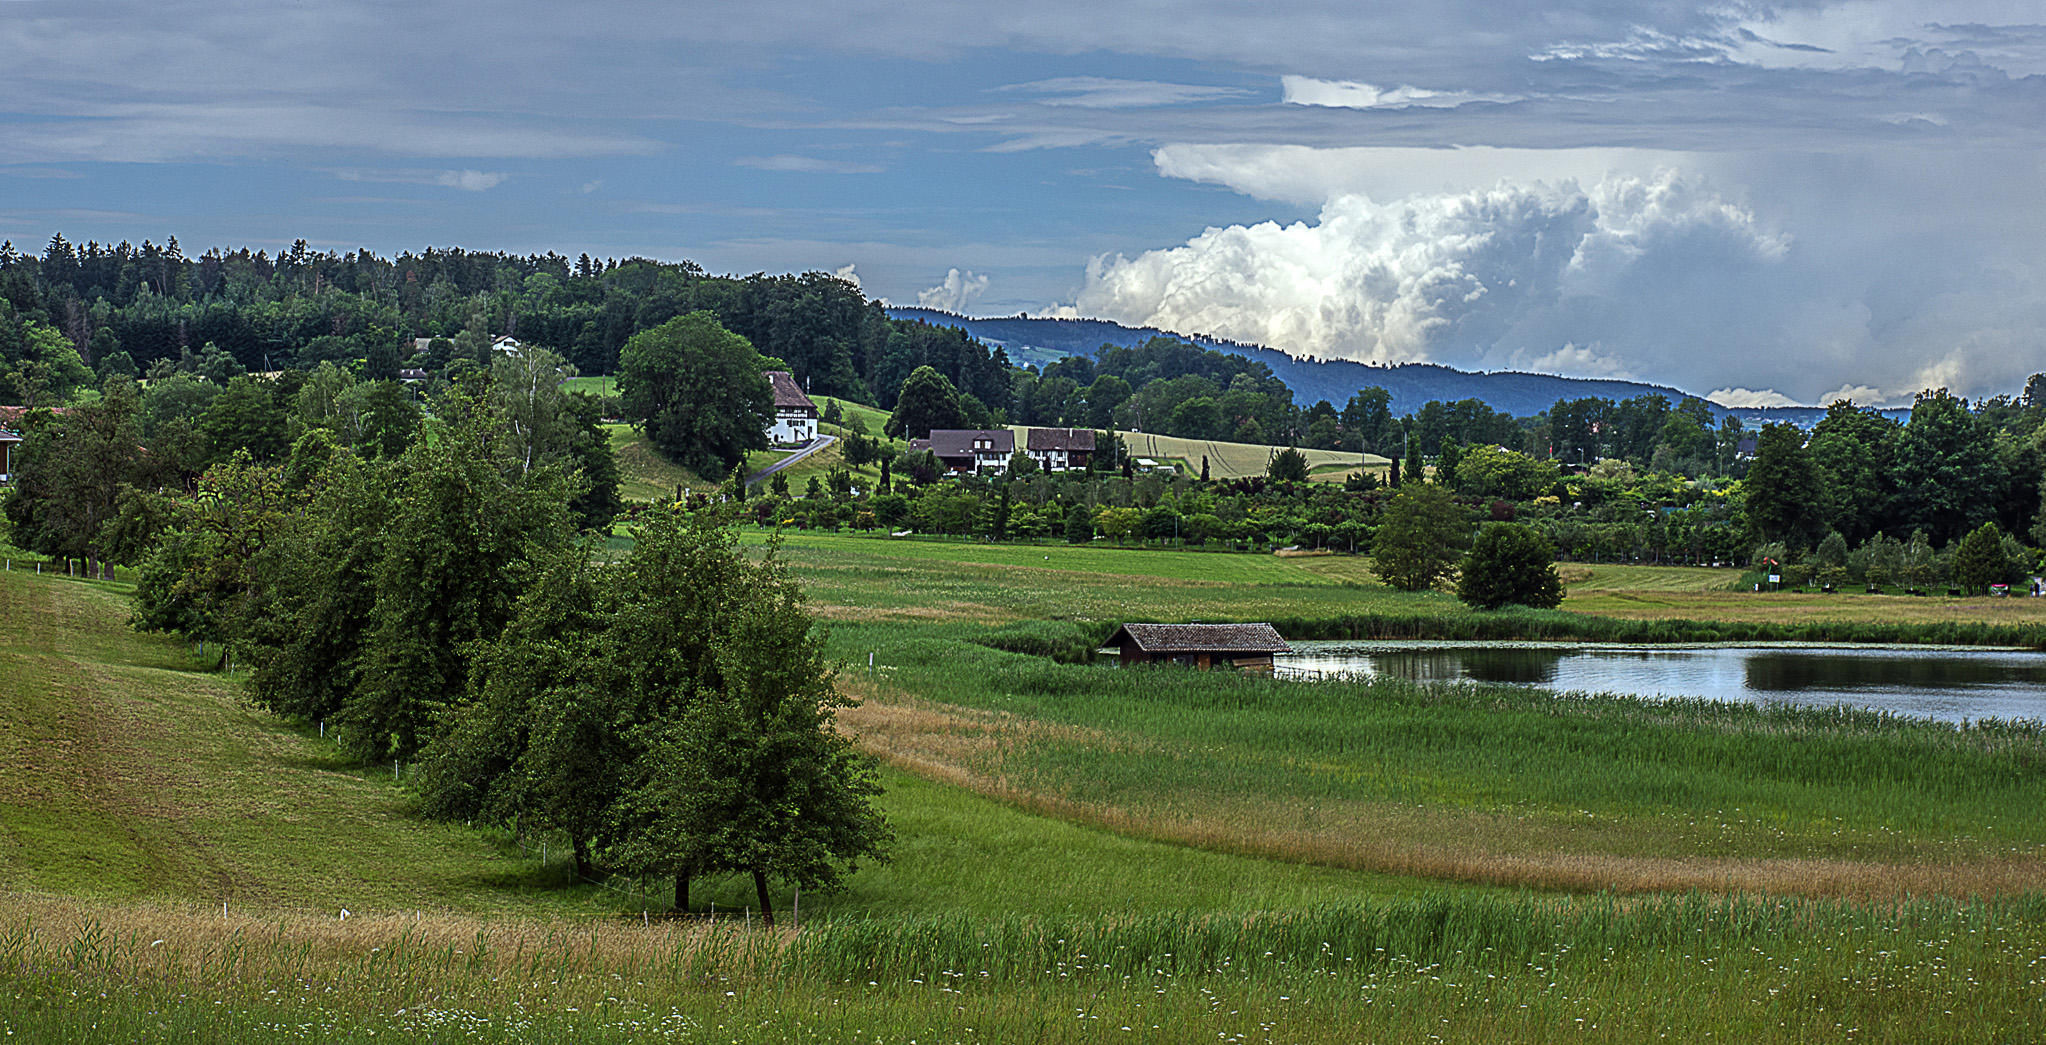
{"type": "Point", "coordinates": [766, 905]}
{"type": "Point", "coordinates": [682, 892]}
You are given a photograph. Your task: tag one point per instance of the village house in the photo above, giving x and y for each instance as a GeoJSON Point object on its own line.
{"type": "Point", "coordinates": [1204, 646]}
{"type": "Point", "coordinates": [10, 438]}
{"type": "Point", "coordinates": [970, 450]}
{"type": "Point", "coordinates": [795, 416]}
{"type": "Point", "coordinates": [1060, 449]}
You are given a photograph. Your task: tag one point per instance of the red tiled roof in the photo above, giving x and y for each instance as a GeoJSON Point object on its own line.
{"type": "Point", "coordinates": [12, 417]}
{"type": "Point", "coordinates": [1196, 638]}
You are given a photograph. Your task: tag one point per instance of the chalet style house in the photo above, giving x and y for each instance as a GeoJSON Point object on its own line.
{"type": "Point", "coordinates": [795, 416]}
{"type": "Point", "coordinates": [975, 450]}
{"type": "Point", "coordinates": [1204, 646]}
{"type": "Point", "coordinates": [968, 450]}
{"type": "Point", "coordinates": [11, 418]}
{"type": "Point", "coordinates": [1060, 449]}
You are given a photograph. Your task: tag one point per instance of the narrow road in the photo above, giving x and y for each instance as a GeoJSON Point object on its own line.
{"type": "Point", "coordinates": [815, 445]}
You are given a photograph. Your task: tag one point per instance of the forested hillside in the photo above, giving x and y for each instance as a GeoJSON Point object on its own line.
{"type": "Point", "coordinates": [129, 308]}
{"type": "Point", "coordinates": [1411, 385]}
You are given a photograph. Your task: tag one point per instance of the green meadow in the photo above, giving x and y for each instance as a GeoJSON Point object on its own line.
{"type": "Point", "coordinates": [1083, 854]}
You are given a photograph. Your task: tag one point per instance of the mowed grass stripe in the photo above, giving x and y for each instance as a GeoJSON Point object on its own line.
{"type": "Point", "coordinates": [131, 771]}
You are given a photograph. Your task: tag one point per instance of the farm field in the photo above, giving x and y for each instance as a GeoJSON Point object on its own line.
{"type": "Point", "coordinates": [877, 578]}
{"type": "Point", "coordinates": [1228, 460]}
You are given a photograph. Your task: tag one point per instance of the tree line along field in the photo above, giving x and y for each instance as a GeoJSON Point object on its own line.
{"type": "Point", "coordinates": [1081, 850]}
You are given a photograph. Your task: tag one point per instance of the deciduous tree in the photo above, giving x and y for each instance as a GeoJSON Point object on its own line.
{"type": "Point", "coordinates": [1418, 538]}
{"type": "Point", "coordinates": [697, 391]}
{"type": "Point", "coordinates": [926, 401]}
{"type": "Point", "coordinates": [1509, 563]}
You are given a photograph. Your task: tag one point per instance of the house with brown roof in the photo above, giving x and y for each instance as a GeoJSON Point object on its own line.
{"type": "Point", "coordinates": [795, 416]}
{"type": "Point", "coordinates": [1204, 646]}
{"type": "Point", "coordinates": [1060, 449]}
{"type": "Point", "coordinates": [970, 450]}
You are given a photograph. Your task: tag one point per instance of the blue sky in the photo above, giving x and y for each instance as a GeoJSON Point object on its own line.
{"type": "Point", "coordinates": [1762, 202]}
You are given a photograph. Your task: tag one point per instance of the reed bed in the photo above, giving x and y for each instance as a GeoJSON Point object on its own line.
{"type": "Point", "coordinates": [1563, 625]}
{"type": "Point", "coordinates": [1499, 784]}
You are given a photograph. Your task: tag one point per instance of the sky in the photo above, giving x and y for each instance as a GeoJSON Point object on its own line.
{"type": "Point", "coordinates": [1757, 202]}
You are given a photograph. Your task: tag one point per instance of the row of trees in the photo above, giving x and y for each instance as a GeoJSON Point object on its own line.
{"type": "Point", "coordinates": [670, 713]}
{"type": "Point", "coordinates": [1947, 470]}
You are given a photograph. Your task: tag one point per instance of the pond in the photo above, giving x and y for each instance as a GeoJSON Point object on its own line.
{"type": "Point", "coordinates": [1938, 682]}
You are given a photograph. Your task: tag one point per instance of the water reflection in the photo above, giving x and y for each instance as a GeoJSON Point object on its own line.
{"type": "Point", "coordinates": [1945, 684]}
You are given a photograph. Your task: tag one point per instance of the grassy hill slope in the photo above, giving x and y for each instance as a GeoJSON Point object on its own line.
{"type": "Point", "coordinates": [129, 769]}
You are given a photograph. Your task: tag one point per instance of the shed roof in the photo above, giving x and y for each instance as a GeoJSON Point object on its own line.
{"type": "Point", "coordinates": [1195, 638]}
{"type": "Point", "coordinates": [958, 442]}
{"type": "Point", "coordinates": [1061, 439]}
{"type": "Point", "coordinates": [786, 392]}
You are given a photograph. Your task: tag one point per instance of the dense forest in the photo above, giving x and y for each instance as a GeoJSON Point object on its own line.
{"type": "Point", "coordinates": [135, 308]}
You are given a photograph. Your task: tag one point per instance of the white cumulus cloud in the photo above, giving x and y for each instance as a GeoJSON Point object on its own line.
{"type": "Point", "coordinates": [957, 293]}
{"type": "Point", "coordinates": [1859, 395]}
{"type": "Point", "coordinates": [1748, 397]}
{"type": "Point", "coordinates": [1501, 275]}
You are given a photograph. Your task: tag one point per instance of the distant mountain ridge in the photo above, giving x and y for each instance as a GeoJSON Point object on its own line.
{"type": "Point", "coordinates": [1411, 384]}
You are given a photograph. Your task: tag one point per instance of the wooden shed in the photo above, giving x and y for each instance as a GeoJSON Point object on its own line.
{"type": "Point", "coordinates": [1202, 646]}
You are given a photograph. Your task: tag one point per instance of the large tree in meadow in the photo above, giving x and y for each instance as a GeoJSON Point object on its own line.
{"type": "Point", "coordinates": [1418, 537]}
{"type": "Point", "coordinates": [1510, 564]}
{"type": "Point", "coordinates": [698, 391]}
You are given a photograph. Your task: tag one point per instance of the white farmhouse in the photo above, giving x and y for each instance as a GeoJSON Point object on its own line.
{"type": "Point", "coordinates": [795, 416]}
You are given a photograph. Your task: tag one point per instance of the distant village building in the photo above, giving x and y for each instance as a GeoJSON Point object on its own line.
{"type": "Point", "coordinates": [1204, 646]}
{"type": "Point", "coordinates": [1060, 449]}
{"type": "Point", "coordinates": [970, 450]}
{"type": "Point", "coordinates": [795, 416]}
{"type": "Point", "coordinates": [10, 437]}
